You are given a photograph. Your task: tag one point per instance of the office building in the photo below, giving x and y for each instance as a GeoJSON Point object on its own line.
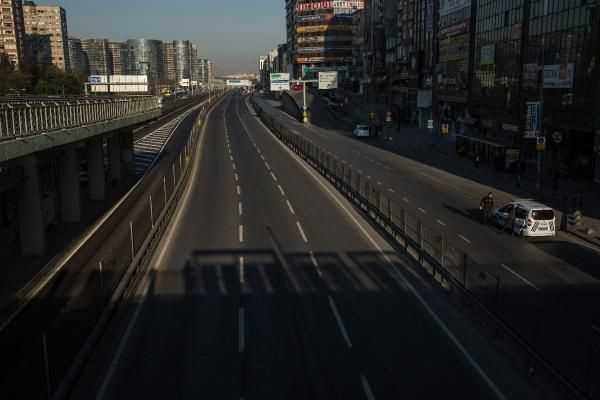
{"type": "Point", "coordinates": [170, 70]}
{"type": "Point", "coordinates": [98, 55]}
{"type": "Point", "coordinates": [12, 31]}
{"type": "Point", "coordinates": [46, 35]}
{"type": "Point", "coordinates": [183, 60]}
{"type": "Point", "coordinates": [78, 63]}
{"type": "Point", "coordinates": [116, 50]}
{"type": "Point", "coordinates": [323, 35]}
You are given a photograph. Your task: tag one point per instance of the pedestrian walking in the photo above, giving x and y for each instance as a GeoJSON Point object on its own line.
{"type": "Point", "coordinates": [509, 222]}
{"type": "Point", "coordinates": [476, 159]}
{"type": "Point", "coordinates": [487, 206]}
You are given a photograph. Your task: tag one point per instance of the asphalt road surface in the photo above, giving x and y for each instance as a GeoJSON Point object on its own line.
{"type": "Point", "coordinates": [546, 283]}
{"type": "Point", "coordinates": [449, 203]}
{"type": "Point", "coordinates": [269, 285]}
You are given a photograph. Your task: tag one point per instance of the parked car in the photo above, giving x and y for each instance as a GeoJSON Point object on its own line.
{"type": "Point", "coordinates": [531, 218]}
{"type": "Point", "coordinates": [297, 87]}
{"type": "Point", "coordinates": [361, 131]}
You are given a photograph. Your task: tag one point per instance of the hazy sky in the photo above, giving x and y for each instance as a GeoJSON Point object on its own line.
{"type": "Point", "coordinates": [231, 33]}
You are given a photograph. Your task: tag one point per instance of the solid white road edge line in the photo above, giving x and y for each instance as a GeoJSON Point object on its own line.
{"type": "Point", "coordinates": [520, 277]}
{"type": "Point", "coordinates": [474, 364]}
{"type": "Point", "coordinates": [173, 225]}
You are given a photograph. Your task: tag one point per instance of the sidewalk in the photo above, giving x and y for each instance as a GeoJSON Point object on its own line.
{"type": "Point", "coordinates": [577, 202]}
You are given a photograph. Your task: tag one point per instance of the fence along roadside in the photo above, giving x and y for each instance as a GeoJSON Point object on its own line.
{"type": "Point", "coordinates": [39, 346]}
{"type": "Point", "coordinates": [534, 321]}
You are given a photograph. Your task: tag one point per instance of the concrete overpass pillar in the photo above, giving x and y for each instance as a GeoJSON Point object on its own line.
{"type": "Point", "coordinates": [95, 169]}
{"type": "Point", "coordinates": [115, 155]}
{"type": "Point", "coordinates": [68, 182]}
{"type": "Point", "coordinates": [32, 227]}
{"type": "Point", "coordinates": [127, 148]}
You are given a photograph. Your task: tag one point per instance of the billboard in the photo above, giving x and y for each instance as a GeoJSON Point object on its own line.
{"type": "Point", "coordinates": [238, 82]}
{"type": "Point", "coordinates": [328, 80]}
{"type": "Point", "coordinates": [118, 83]}
{"type": "Point", "coordinates": [320, 5]}
{"type": "Point", "coordinates": [488, 55]}
{"type": "Point", "coordinates": [324, 28]}
{"type": "Point", "coordinates": [280, 82]}
{"type": "Point", "coordinates": [559, 76]}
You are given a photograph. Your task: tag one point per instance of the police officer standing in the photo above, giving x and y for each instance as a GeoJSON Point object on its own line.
{"type": "Point", "coordinates": [487, 205]}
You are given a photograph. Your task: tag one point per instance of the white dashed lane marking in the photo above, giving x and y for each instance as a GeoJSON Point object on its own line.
{"type": "Point", "coordinates": [241, 233]}
{"type": "Point", "coordinates": [315, 263]}
{"type": "Point", "coordinates": [281, 190]}
{"type": "Point", "coordinates": [441, 223]}
{"type": "Point", "coordinates": [290, 207]}
{"type": "Point", "coordinates": [273, 176]}
{"type": "Point", "coordinates": [391, 190]}
{"type": "Point", "coordinates": [339, 321]}
{"type": "Point", "coordinates": [239, 190]}
{"type": "Point", "coordinates": [464, 238]}
{"type": "Point", "coordinates": [301, 231]}
{"type": "Point", "coordinates": [423, 211]}
{"type": "Point", "coordinates": [367, 388]}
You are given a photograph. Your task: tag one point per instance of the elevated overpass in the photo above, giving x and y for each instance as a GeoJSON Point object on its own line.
{"type": "Point", "coordinates": [48, 140]}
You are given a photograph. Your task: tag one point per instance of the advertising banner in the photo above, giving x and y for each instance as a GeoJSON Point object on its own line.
{"type": "Point", "coordinates": [324, 17]}
{"type": "Point", "coordinates": [305, 60]}
{"type": "Point", "coordinates": [357, 5]}
{"type": "Point", "coordinates": [322, 49]}
{"type": "Point", "coordinates": [319, 5]}
{"type": "Point", "coordinates": [329, 38]}
{"type": "Point", "coordinates": [488, 55]}
{"type": "Point", "coordinates": [324, 28]}
{"type": "Point", "coordinates": [559, 76]}
{"type": "Point", "coordinates": [454, 30]}
{"type": "Point", "coordinates": [280, 82]}
{"type": "Point", "coordinates": [532, 119]}
{"type": "Point", "coordinates": [451, 6]}
{"type": "Point", "coordinates": [328, 80]}
{"type": "Point", "coordinates": [455, 48]}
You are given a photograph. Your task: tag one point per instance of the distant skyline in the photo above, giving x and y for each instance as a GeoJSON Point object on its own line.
{"type": "Point", "coordinates": [231, 33]}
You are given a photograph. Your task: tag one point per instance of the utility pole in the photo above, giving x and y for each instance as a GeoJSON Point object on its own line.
{"type": "Point", "coordinates": [435, 55]}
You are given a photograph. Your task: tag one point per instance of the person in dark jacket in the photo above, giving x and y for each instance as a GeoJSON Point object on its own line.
{"type": "Point", "coordinates": [487, 205]}
{"type": "Point", "coordinates": [509, 222]}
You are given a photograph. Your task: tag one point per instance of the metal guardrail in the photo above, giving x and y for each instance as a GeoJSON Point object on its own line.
{"type": "Point", "coordinates": [46, 344]}
{"type": "Point", "coordinates": [20, 118]}
{"type": "Point", "coordinates": [559, 337]}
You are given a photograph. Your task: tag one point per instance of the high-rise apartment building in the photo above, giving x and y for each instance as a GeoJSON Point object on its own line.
{"type": "Point", "coordinates": [99, 56]}
{"type": "Point", "coordinates": [77, 57]}
{"type": "Point", "coordinates": [183, 60]}
{"type": "Point", "coordinates": [210, 70]}
{"type": "Point", "coordinates": [46, 35]}
{"type": "Point", "coordinates": [116, 54]}
{"type": "Point", "coordinates": [170, 74]}
{"type": "Point", "coordinates": [12, 31]}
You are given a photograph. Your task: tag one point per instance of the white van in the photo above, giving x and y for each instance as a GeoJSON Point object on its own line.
{"type": "Point", "coordinates": [361, 131]}
{"type": "Point", "coordinates": [531, 218]}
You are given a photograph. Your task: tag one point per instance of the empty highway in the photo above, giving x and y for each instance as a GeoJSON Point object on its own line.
{"type": "Point", "coordinates": [269, 285]}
